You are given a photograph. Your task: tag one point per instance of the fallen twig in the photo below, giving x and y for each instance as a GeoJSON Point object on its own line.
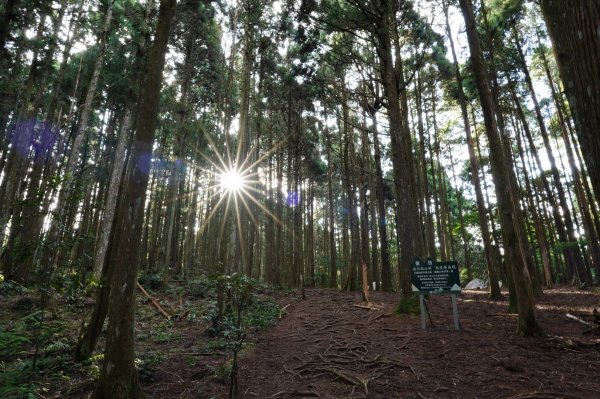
{"type": "Point", "coordinates": [541, 395]}
{"type": "Point", "coordinates": [154, 301]}
{"type": "Point", "coordinates": [368, 307]}
{"type": "Point", "coordinates": [379, 317]}
{"type": "Point", "coordinates": [503, 315]}
{"type": "Point", "coordinates": [282, 309]}
{"type": "Point", "coordinates": [203, 353]}
{"type": "Point", "coordinates": [585, 323]}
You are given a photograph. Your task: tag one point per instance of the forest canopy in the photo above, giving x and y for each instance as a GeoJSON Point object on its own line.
{"type": "Point", "coordinates": [298, 143]}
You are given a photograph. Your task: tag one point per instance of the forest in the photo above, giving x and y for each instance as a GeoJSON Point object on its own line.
{"type": "Point", "coordinates": [195, 195]}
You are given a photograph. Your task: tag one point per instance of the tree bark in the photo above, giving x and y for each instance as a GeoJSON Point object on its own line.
{"type": "Point", "coordinates": [331, 217]}
{"type": "Point", "coordinates": [66, 208]}
{"type": "Point", "coordinates": [386, 270]}
{"type": "Point", "coordinates": [573, 28]}
{"type": "Point", "coordinates": [401, 146]}
{"type": "Point", "coordinates": [119, 377]}
{"type": "Point", "coordinates": [112, 195]}
{"type": "Point", "coordinates": [507, 201]}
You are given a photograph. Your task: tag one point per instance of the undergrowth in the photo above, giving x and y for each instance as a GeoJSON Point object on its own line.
{"type": "Point", "coordinates": [37, 337]}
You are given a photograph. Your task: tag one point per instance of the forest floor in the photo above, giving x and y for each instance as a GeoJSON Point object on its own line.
{"type": "Point", "coordinates": [328, 345]}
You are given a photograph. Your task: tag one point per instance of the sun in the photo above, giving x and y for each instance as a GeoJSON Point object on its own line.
{"type": "Point", "coordinates": [233, 181]}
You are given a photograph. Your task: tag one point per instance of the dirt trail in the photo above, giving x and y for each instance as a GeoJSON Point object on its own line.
{"type": "Point", "coordinates": [328, 347]}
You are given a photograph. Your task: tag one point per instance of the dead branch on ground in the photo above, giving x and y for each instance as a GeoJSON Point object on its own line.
{"type": "Point", "coordinates": [154, 301]}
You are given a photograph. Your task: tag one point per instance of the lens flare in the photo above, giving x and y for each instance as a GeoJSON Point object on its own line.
{"type": "Point", "coordinates": [233, 181]}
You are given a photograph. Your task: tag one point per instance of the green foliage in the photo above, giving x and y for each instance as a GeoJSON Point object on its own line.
{"type": "Point", "coordinates": [91, 366]}
{"type": "Point", "coordinates": [202, 287]}
{"type": "Point", "coordinates": [71, 286]}
{"type": "Point", "coordinates": [147, 364]}
{"type": "Point", "coordinates": [9, 288]}
{"type": "Point", "coordinates": [10, 390]}
{"type": "Point", "coordinates": [165, 332]}
{"type": "Point", "coordinates": [20, 373]}
{"type": "Point", "coordinates": [12, 343]}
{"type": "Point", "coordinates": [223, 371]}
{"type": "Point", "coordinates": [151, 280]}
{"type": "Point", "coordinates": [262, 314]}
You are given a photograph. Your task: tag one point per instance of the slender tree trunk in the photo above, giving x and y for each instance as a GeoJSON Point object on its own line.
{"type": "Point", "coordinates": [401, 145]}
{"type": "Point", "coordinates": [66, 205]}
{"type": "Point", "coordinates": [331, 218]}
{"type": "Point", "coordinates": [349, 172]}
{"type": "Point", "coordinates": [371, 207]}
{"type": "Point", "coordinates": [386, 270]}
{"type": "Point", "coordinates": [440, 187]}
{"type": "Point", "coordinates": [507, 200]}
{"type": "Point", "coordinates": [362, 171]}
{"type": "Point", "coordinates": [22, 136]}
{"type": "Point", "coordinates": [119, 378]}
{"type": "Point", "coordinates": [537, 221]}
{"type": "Point", "coordinates": [73, 36]}
{"type": "Point", "coordinates": [572, 254]}
{"type": "Point", "coordinates": [111, 198]}
{"type": "Point", "coordinates": [461, 220]}
{"type": "Point", "coordinates": [428, 217]}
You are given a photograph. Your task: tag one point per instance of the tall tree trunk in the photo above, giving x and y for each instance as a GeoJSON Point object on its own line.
{"type": "Point", "coordinates": [585, 199]}
{"type": "Point", "coordinates": [576, 255]}
{"type": "Point", "coordinates": [348, 173]}
{"type": "Point", "coordinates": [441, 198]}
{"type": "Point", "coordinates": [119, 378]}
{"type": "Point", "coordinates": [331, 216]}
{"type": "Point", "coordinates": [401, 145]}
{"type": "Point", "coordinates": [461, 221]}
{"type": "Point", "coordinates": [573, 28]}
{"type": "Point", "coordinates": [371, 206]}
{"type": "Point", "coordinates": [386, 270]}
{"type": "Point", "coordinates": [66, 209]}
{"type": "Point", "coordinates": [428, 217]}
{"type": "Point", "coordinates": [112, 195]}
{"type": "Point", "coordinates": [507, 200]}
{"type": "Point", "coordinates": [537, 221]}
{"type": "Point", "coordinates": [362, 171]}
{"type": "Point", "coordinates": [22, 136]}
{"type": "Point", "coordinates": [572, 255]}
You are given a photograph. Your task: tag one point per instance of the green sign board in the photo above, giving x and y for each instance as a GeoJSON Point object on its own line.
{"type": "Point", "coordinates": [430, 277]}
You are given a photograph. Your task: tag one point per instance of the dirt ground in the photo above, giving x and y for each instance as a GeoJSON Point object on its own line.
{"type": "Point", "coordinates": [327, 347]}
{"type": "Point", "coordinates": [330, 346]}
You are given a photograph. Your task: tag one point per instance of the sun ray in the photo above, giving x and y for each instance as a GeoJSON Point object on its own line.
{"type": "Point", "coordinates": [267, 211]}
{"type": "Point", "coordinates": [224, 220]}
{"type": "Point", "coordinates": [241, 233]}
{"type": "Point", "coordinates": [242, 198]}
{"type": "Point", "coordinates": [270, 152]}
{"type": "Point", "coordinates": [235, 179]}
{"type": "Point", "coordinates": [207, 220]}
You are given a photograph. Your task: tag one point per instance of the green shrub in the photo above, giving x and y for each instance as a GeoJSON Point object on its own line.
{"type": "Point", "coordinates": [201, 287]}
{"type": "Point", "coordinates": [152, 281]}
{"type": "Point", "coordinates": [262, 314]}
{"type": "Point", "coordinates": [11, 344]}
